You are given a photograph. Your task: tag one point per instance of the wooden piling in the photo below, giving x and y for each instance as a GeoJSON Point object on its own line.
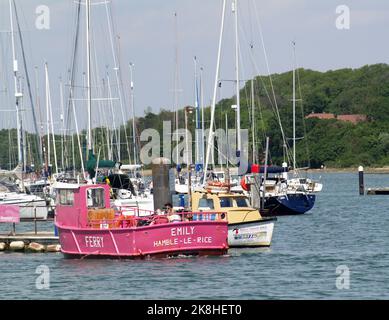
{"type": "Point", "coordinates": [361, 181]}
{"type": "Point", "coordinates": [161, 182]}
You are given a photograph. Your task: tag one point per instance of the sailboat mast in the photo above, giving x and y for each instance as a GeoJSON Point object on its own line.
{"type": "Point", "coordinates": [176, 83]}
{"type": "Point", "coordinates": [239, 142]}
{"type": "Point", "coordinates": [294, 109]}
{"type": "Point", "coordinates": [47, 118]}
{"type": "Point", "coordinates": [133, 112]}
{"type": "Point", "coordinates": [18, 94]}
{"type": "Point", "coordinates": [228, 145]}
{"type": "Point", "coordinates": [202, 117]}
{"type": "Point", "coordinates": [88, 77]}
{"type": "Point", "coordinates": [197, 108]}
{"type": "Point", "coordinates": [253, 120]}
{"type": "Point", "coordinates": [211, 133]}
{"type": "Point", "coordinates": [62, 117]}
{"type": "Point", "coordinates": [41, 132]}
{"type": "Point", "coordinates": [50, 119]}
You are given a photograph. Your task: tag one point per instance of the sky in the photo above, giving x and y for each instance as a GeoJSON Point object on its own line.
{"type": "Point", "coordinates": [145, 34]}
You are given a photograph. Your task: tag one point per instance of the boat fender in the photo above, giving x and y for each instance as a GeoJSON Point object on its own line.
{"type": "Point", "coordinates": [244, 186]}
{"type": "Point", "coordinates": [120, 221]}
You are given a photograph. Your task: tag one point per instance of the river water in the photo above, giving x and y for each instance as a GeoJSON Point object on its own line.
{"type": "Point", "coordinates": [344, 232]}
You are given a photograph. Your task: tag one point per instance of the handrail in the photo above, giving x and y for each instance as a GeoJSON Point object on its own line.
{"type": "Point", "coordinates": [123, 221]}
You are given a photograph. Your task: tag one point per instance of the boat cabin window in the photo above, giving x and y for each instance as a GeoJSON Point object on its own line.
{"type": "Point", "coordinates": [206, 204]}
{"type": "Point", "coordinates": [65, 197]}
{"type": "Point", "coordinates": [180, 200]}
{"type": "Point", "coordinates": [95, 198]}
{"type": "Point", "coordinates": [241, 202]}
{"type": "Point", "coordinates": [220, 176]}
{"type": "Point", "coordinates": [225, 202]}
{"type": "Point", "coordinates": [234, 177]}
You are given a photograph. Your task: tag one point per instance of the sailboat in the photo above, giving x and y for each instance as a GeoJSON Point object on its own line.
{"type": "Point", "coordinates": [298, 183]}
{"type": "Point", "coordinates": [285, 195]}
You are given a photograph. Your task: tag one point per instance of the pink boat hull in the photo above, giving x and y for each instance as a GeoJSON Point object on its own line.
{"type": "Point", "coordinates": [87, 226]}
{"type": "Point", "coordinates": [197, 238]}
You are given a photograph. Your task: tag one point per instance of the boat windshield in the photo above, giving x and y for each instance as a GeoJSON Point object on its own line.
{"type": "Point", "coordinates": [225, 202]}
{"type": "Point", "coordinates": [206, 204]}
{"type": "Point", "coordinates": [65, 197]}
{"type": "Point", "coordinates": [241, 202]}
{"type": "Point", "coordinates": [180, 200]}
{"type": "Point", "coordinates": [95, 198]}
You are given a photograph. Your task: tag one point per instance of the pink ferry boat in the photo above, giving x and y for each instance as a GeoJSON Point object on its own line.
{"type": "Point", "coordinates": [89, 227]}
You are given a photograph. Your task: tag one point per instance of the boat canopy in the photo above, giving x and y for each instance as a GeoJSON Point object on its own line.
{"type": "Point", "coordinates": [91, 164]}
{"type": "Point", "coordinates": [256, 168]}
{"type": "Point", "coordinates": [65, 185]}
{"type": "Point", "coordinates": [130, 167]}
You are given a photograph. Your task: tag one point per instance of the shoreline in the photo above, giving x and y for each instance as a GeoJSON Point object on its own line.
{"type": "Point", "coordinates": [367, 170]}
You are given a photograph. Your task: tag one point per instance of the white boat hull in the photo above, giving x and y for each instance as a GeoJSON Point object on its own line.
{"type": "Point", "coordinates": [251, 234]}
{"type": "Point", "coordinates": [146, 204]}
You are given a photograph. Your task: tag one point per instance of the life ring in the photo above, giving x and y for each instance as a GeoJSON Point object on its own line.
{"type": "Point", "coordinates": [218, 184]}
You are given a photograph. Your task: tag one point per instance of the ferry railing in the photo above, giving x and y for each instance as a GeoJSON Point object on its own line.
{"type": "Point", "coordinates": [126, 221]}
{"type": "Point", "coordinates": [134, 211]}
{"type": "Point", "coordinates": [197, 215]}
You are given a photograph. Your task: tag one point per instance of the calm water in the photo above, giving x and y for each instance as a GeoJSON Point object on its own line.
{"type": "Point", "coordinates": [342, 229]}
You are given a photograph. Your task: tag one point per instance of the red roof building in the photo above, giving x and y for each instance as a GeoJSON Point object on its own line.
{"type": "Point", "coordinates": [353, 118]}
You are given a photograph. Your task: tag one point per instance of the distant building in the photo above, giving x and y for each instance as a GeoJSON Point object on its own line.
{"type": "Point", "coordinates": [353, 118]}
{"type": "Point", "coordinates": [321, 116]}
